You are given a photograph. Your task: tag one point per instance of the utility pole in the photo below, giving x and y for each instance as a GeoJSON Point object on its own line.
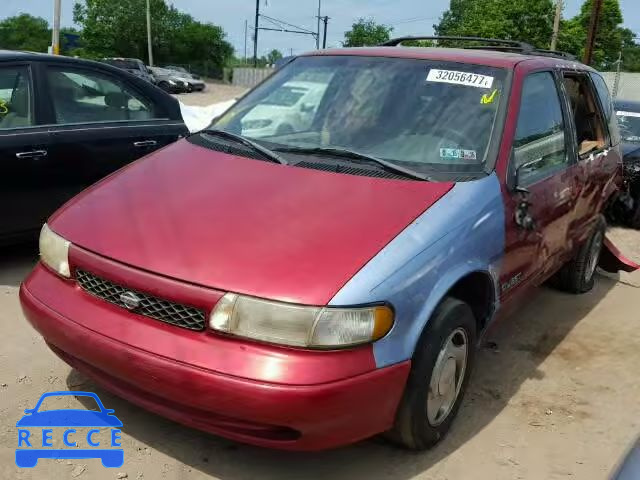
{"type": "Point", "coordinates": [255, 35]}
{"type": "Point", "coordinates": [246, 28]}
{"type": "Point", "coordinates": [556, 24]}
{"type": "Point", "coordinates": [149, 46]}
{"type": "Point", "coordinates": [55, 35]}
{"type": "Point", "coordinates": [318, 37]}
{"type": "Point", "coordinates": [593, 31]}
{"type": "Point", "coordinates": [325, 19]}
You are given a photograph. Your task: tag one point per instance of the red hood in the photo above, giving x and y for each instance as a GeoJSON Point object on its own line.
{"type": "Point", "coordinates": [243, 225]}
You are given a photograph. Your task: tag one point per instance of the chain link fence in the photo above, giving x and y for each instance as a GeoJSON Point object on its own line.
{"type": "Point", "coordinates": [623, 85]}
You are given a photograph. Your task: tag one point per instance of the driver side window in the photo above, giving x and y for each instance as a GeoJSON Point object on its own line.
{"type": "Point", "coordinates": [540, 136]}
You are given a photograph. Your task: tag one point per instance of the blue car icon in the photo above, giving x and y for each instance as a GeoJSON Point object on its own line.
{"type": "Point", "coordinates": [69, 419]}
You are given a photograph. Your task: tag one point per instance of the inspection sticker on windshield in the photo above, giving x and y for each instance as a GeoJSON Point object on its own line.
{"type": "Point", "coordinates": [458, 153]}
{"type": "Point", "coordinates": [459, 78]}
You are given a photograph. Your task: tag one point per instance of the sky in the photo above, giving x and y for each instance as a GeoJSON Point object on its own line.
{"type": "Point", "coordinates": [408, 17]}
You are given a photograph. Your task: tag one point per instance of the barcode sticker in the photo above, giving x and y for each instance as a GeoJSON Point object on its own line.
{"type": "Point", "coordinates": [460, 78]}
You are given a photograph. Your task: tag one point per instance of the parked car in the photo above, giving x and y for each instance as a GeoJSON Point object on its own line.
{"type": "Point", "coordinates": [196, 84]}
{"type": "Point", "coordinates": [169, 81]}
{"type": "Point", "coordinates": [313, 288]}
{"type": "Point", "coordinates": [133, 66]}
{"type": "Point", "coordinates": [288, 109]}
{"type": "Point", "coordinates": [66, 123]}
{"type": "Point", "coordinates": [628, 113]}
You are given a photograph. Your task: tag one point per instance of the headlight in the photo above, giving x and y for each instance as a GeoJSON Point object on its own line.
{"type": "Point", "coordinates": [255, 124]}
{"type": "Point", "coordinates": [300, 326]}
{"type": "Point", "coordinates": [54, 251]}
{"type": "Point", "coordinates": [171, 82]}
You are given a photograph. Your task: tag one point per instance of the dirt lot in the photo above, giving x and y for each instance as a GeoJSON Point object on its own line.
{"type": "Point", "coordinates": [554, 397]}
{"type": "Point", "coordinates": [215, 92]}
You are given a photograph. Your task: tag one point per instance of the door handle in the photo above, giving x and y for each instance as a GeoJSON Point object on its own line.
{"type": "Point", "coordinates": [145, 143]}
{"type": "Point", "coordinates": [32, 154]}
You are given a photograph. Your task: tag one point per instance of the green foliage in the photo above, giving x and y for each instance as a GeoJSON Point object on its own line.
{"type": "Point", "coordinates": [273, 56]}
{"type": "Point", "coordinates": [366, 32]}
{"type": "Point", "coordinates": [117, 28]}
{"type": "Point", "coordinates": [25, 32]}
{"type": "Point", "coordinates": [525, 20]}
{"type": "Point", "coordinates": [532, 21]}
{"type": "Point", "coordinates": [611, 38]}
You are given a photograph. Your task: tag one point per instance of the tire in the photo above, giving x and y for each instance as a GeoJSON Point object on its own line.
{"type": "Point", "coordinates": [578, 275]}
{"type": "Point", "coordinates": [634, 219]}
{"type": "Point", "coordinates": [420, 423]}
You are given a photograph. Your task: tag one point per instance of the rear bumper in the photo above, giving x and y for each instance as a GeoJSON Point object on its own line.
{"type": "Point", "coordinates": [308, 416]}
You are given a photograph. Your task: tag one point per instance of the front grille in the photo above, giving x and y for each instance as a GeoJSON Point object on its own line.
{"type": "Point", "coordinates": [164, 310]}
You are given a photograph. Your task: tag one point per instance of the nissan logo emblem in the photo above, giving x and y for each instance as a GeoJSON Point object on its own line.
{"type": "Point", "coordinates": [130, 300]}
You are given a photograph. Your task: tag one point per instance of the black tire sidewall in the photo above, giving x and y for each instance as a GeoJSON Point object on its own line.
{"type": "Point", "coordinates": [417, 432]}
{"type": "Point", "coordinates": [635, 215]}
{"type": "Point", "coordinates": [583, 261]}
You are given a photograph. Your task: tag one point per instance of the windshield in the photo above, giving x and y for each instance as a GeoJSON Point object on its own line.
{"type": "Point", "coordinates": [286, 96]}
{"type": "Point", "coordinates": [426, 115]}
{"type": "Point", "coordinates": [629, 123]}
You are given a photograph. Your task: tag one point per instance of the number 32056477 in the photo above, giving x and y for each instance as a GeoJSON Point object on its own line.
{"type": "Point", "coordinates": [460, 78]}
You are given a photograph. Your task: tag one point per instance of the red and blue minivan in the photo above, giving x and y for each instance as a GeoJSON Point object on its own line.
{"type": "Point", "coordinates": [329, 279]}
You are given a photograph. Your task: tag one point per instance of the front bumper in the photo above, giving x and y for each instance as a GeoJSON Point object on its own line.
{"type": "Point", "coordinates": [258, 394]}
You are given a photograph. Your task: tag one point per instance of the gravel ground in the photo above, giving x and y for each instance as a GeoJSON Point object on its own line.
{"type": "Point", "coordinates": [214, 93]}
{"type": "Point", "coordinates": [556, 397]}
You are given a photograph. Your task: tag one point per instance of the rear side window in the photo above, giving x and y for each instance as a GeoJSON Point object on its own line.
{"type": "Point", "coordinates": [540, 137]}
{"type": "Point", "coordinates": [15, 98]}
{"type": "Point", "coordinates": [603, 93]}
{"type": "Point", "coordinates": [607, 106]}
{"type": "Point", "coordinates": [81, 96]}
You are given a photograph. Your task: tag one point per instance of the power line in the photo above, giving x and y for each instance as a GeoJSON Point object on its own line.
{"type": "Point", "coordinates": [410, 20]}
{"type": "Point", "coordinates": [278, 23]}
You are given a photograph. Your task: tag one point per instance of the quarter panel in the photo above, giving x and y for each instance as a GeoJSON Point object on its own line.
{"type": "Point", "coordinates": [461, 234]}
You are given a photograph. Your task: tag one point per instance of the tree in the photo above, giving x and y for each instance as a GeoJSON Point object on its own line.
{"type": "Point", "coordinates": [611, 37]}
{"type": "Point", "coordinates": [525, 20]}
{"type": "Point", "coordinates": [273, 56]}
{"type": "Point", "coordinates": [366, 32]}
{"type": "Point", "coordinates": [25, 32]}
{"type": "Point", "coordinates": [118, 28]}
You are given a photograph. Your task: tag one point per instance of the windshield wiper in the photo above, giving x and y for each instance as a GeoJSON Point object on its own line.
{"type": "Point", "coordinates": [269, 154]}
{"type": "Point", "coordinates": [354, 155]}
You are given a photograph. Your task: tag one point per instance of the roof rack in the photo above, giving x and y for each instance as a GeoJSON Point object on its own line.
{"type": "Point", "coordinates": [521, 47]}
{"type": "Point", "coordinates": [555, 53]}
{"type": "Point", "coordinates": [498, 45]}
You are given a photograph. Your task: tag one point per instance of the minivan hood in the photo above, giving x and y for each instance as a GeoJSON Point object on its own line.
{"type": "Point", "coordinates": [242, 225]}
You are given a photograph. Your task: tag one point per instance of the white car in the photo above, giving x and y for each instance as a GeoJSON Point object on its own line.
{"type": "Point", "coordinates": [289, 109]}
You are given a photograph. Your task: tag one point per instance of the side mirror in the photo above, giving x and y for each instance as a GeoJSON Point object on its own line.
{"type": "Point", "coordinates": [520, 170]}
{"type": "Point", "coordinates": [29, 410]}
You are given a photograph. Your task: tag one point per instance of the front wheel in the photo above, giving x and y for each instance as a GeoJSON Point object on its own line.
{"type": "Point", "coordinates": [440, 371]}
